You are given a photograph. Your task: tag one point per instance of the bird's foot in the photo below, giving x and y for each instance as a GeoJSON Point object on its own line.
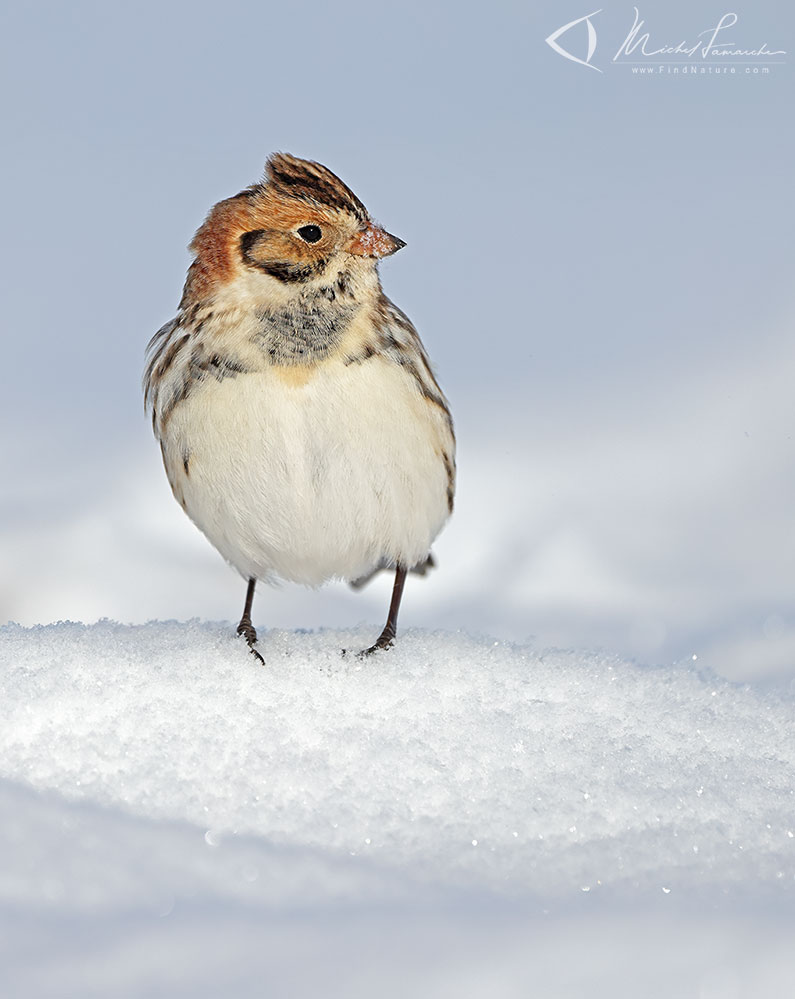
{"type": "Point", "coordinates": [249, 632]}
{"type": "Point", "coordinates": [384, 641]}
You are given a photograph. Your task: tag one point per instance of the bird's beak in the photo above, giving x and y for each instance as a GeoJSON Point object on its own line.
{"type": "Point", "coordinates": [373, 242]}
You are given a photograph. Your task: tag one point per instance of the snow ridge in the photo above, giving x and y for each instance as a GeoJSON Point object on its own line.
{"type": "Point", "coordinates": [156, 768]}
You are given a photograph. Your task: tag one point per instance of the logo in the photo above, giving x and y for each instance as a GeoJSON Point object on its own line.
{"type": "Point", "coordinates": [552, 40]}
{"type": "Point", "coordinates": [713, 50]}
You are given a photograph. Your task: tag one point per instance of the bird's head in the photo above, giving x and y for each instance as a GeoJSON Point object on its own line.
{"type": "Point", "coordinates": [300, 226]}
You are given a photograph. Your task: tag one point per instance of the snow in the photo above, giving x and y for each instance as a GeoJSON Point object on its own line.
{"type": "Point", "coordinates": [456, 817]}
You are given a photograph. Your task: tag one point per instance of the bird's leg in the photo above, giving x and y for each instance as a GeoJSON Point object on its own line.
{"type": "Point", "coordinates": [246, 628]}
{"type": "Point", "coordinates": [387, 636]}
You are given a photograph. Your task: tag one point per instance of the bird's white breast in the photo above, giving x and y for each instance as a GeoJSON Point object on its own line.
{"type": "Point", "coordinates": [311, 473]}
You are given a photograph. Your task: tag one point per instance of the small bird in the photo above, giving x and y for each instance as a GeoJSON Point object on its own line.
{"type": "Point", "coordinates": [300, 422]}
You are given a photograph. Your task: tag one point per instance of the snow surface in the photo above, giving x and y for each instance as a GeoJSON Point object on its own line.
{"type": "Point", "coordinates": [456, 817]}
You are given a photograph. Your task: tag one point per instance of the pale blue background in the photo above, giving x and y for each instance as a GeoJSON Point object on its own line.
{"type": "Point", "coordinates": [600, 265]}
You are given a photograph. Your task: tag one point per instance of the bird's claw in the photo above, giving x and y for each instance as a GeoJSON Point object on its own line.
{"type": "Point", "coordinates": [383, 642]}
{"type": "Point", "coordinates": [379, 646]}
{"type": "Point", "coordinates": [249, 632]}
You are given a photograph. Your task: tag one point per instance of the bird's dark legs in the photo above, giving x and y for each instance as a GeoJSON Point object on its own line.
{"type": "Point", "coordinates": [246, 628]}
{"type": "Point", "coordinates": [384, 640]}
{"type": "Point", "coordinates": [387, 636]}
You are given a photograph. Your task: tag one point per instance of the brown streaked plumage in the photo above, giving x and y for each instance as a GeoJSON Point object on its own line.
{"type": "Point", "coordinates": [301, 424]}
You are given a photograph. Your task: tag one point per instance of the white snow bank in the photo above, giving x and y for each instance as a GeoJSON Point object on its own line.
{"type": "Point", "coordinates": [449, 818]}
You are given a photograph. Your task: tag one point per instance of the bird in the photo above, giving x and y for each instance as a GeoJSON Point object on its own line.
{"type": "Point", "coordinates": [301, 424]}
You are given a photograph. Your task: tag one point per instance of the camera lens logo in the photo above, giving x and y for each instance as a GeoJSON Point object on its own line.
{"type": "Point", "coordinates": [552, 41]}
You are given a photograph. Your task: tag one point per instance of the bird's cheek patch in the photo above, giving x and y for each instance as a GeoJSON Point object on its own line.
{"type": "Point", "coordinates": [272, 253]}
{"type": "Point", "coordinates": [254, 246]}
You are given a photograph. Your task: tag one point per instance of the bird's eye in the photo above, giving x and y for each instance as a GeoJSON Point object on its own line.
{"type": "Point", "coordinates": [310, 233]}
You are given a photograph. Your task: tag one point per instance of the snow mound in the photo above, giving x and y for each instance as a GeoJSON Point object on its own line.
{"type": "Point", "coordinates": [158, 776]}
{"type": "Point", "coordinates": [468, 761]}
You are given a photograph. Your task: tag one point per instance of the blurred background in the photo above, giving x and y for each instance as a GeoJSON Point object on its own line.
{"type": "Point", "coordinates": [599, 263]}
